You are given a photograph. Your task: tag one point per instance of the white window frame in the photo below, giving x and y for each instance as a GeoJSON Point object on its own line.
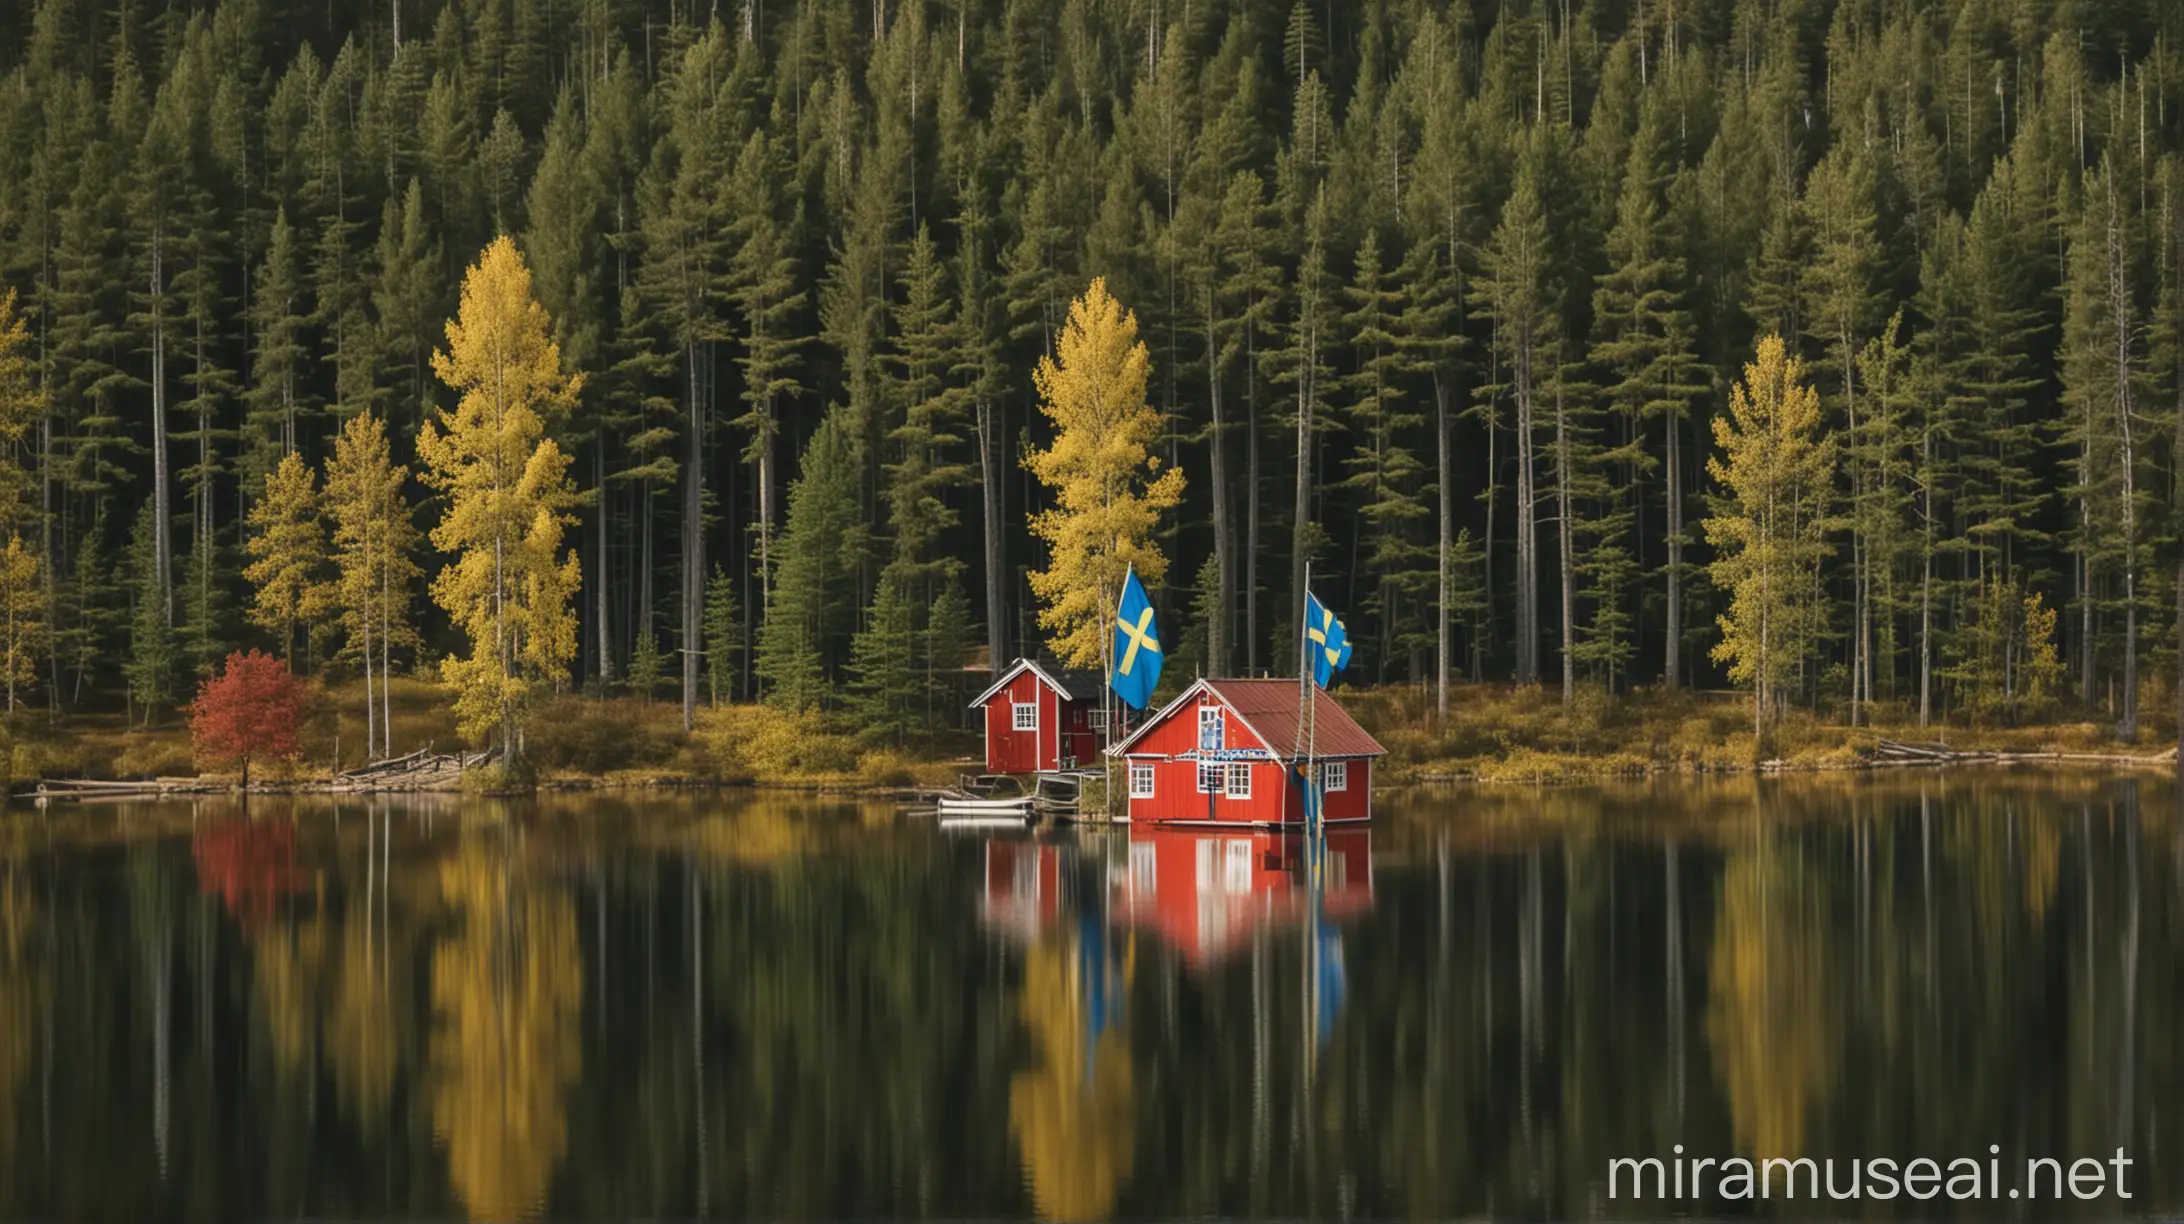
{"type": "Point", "coordinates": [1141, 781]}
{"type": "Point", "coordinates": [1217, 783]}
{"type": "Point", "coordinates": [1210, 713]}
{"type": "Point", "coordinates": [1238, 770]}
{"type": "Point", "coordinates": [1334, 776]}
{"type": "Point", "coordinates": [1017, 721]}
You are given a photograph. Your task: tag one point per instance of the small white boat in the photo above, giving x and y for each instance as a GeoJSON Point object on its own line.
{"type": "Point", "coordinates": [967, 812]}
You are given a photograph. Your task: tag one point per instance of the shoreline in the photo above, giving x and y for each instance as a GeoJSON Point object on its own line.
{"type": "Point", "coordinates": [1569, 773]}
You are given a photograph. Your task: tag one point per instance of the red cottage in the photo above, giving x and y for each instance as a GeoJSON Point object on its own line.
{"type": "Point", "coordinates": [1041, 718]}
{"type": "Point", "coordinates": [1225, 752]}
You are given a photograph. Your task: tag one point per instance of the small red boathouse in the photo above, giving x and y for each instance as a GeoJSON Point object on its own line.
{"type": "Point", "coordinates": [1041, 718]}
{"type": "Point", "coordinates": [1226, 752]}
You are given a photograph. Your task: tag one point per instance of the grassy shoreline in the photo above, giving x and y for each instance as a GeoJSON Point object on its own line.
{"type": "Point", "coordinates": [1495, 734]}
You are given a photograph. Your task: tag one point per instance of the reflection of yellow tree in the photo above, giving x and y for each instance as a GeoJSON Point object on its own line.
{"type": "Point", "coordinates": [1071, 1115]}
{"type": "Point", "coordinates": [360, 1026]}
{"type": "Point", "coordinates": [757, 833]}
{"type": "Point", "coordinates": [289, 969]}
{"type": "Point", "coordinates": [507, 990]}
{"type": "Point", "coordinates": [20, 988]}
{"type": "Point", "coordinates": [1771, 1022]}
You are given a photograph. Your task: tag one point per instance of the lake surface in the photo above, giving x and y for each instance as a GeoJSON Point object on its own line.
{"type": "Point", "coordinates": [748, 1006]}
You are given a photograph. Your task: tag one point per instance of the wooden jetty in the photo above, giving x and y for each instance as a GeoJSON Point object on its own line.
{"type": "Point", "coordinates": [422, 770]}
{"type": "Point", "coordinates": [135, 788]}
{"type": "Point", "coordinates": [1896, 752]}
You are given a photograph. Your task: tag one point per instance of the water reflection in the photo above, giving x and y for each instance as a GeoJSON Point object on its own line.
{"type": "Point", "coordinates": [740, 1007]}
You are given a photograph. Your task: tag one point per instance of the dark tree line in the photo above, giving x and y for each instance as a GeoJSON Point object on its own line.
{"type": "Point", "coordinates": [1441, 297]}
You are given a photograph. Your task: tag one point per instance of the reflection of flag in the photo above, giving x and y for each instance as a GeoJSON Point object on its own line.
{"type": "Point", "coordinates": [1137, 646]}
{"type": "Point", "coordinates": [1331, 979]}
{"type": "Point", "coordinates": [1102, 1003]}
{"type": "Point", "coordinates": [1327, 643]}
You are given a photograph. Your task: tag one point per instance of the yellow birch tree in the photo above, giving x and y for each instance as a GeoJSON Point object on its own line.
{"type": "Point", "coordinates": [287, 547]}
{"type": "Point", "coordinates": [22, 620]}
{"type": "Point", "coordinates": [511, 586]}
{"type": "Point", "coordinates": [1774, 473]}
{"type": "Point", "coordinates": [20, 404]}
{"type": "Point", "coordinates": [373, 541]}
{"type": "Point", "coordinates": [1108, 487]}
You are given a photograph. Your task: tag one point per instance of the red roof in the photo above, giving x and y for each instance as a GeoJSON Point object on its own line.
{"type": "Point", "coordinates": [1271, 708]}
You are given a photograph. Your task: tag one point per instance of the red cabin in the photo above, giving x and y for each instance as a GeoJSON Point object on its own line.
{"type": "Point", "coordinates": [1226, 752]}
{"type": "Point", "coordinates": [1041, 718]}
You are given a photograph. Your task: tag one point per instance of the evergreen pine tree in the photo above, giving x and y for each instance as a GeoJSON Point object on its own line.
{"type": "Point", "coordinates": [814, 602]}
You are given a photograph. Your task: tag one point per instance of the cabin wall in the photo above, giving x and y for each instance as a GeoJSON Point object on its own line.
{"type": "Point", "coordinates": [1012, 751]}
{"type": "Point", "coordinates": [1274, 797]}
{"type": "Point", "coordinates": [1080, 737]}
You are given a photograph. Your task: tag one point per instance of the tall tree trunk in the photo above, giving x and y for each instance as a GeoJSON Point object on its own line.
{"type": "Point", "coordinates": [1566, 552]}
{"type": "Point", "coordinates": [1926, 583]}
{"type": "Point", "coordinates": [1527, 530]}
{"type": "Point", "coordinates": [1672, 650]}
{"type": "Point", "coordinates": [1251, 501]}
{"type": "Point", "coordinates": [2119, 305]}
{"type": "Point", "coordinates": [601, 629]}
{"type": "Point", "coordinates": [1446, 495]}
{"type": "Point", "coordinates": [162, 525]}
{"type": "Point", "coordinates": [2085, 559]}
{"type": "Point", "coordinates": [386, 656]}
{"type": "Point", "coordinates": [693, 539]}
{"type": "Point", "coordinates": [371, 721]}
{"type": "Point", "coordinates": [991, 492]}
{"type": "Point", "coordinates": [1300, 524]}
{"type": "Point", "coordinates": [1217, 632]}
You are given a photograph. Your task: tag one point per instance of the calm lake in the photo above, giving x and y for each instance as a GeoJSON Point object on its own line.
{"type": "Point", "coordinates": [743, 1006]}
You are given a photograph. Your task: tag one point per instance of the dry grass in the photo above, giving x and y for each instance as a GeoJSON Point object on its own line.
{"type": "Point", "coordinates": [1506, 733]}
{"type": "Point", "coordinates": [762, 745]}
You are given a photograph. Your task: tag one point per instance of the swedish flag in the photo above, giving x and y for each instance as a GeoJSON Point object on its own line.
{"type": "Point", "coordinates": [1137, 653]}
{"type": "Point", "coordinates": [1327, 643]}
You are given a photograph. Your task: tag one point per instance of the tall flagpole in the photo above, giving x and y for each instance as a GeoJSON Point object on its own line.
{"type": "Point", "coordinates": [1304, 682]}
{"type": "Point", "coordinates": [1107, 707]}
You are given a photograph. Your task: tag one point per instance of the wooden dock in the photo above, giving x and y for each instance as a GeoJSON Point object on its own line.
{"type": "Point", "coordinates": [422, 770]}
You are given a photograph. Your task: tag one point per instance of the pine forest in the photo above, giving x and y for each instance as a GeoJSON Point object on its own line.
{"type": "Point", "coordinates": [1832, 352]}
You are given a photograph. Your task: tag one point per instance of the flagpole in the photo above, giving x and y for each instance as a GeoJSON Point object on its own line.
{"type": "Point", "coordinates": [1304, 687]}
{"type": "Point", "coordinates": [1107, 705]}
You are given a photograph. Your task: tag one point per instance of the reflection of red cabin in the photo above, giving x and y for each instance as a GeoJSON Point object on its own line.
{"type": "Point", "coordinates": [1023, 885]}
{"type": "Point", "coordinates": [1205, 892]}
{"type": "Point", "coordinates": [1226, 752]}
{"type": "Point", "coordinates": [1041, 718]}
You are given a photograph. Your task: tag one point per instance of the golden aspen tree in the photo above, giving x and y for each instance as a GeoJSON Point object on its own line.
{"type": "Point", "coordinates": [22, 584]}
{"type": "Point", "coordinates": [508, 497]}
{"type": "Point", "coordinates": [1774, 471]}
{"type": "Point", "coordinates": [20, 405]}
{"type": "Point", "coordinates": [287, 547]}
{"type": "Point", "coordinates": [373, 541]}
{"type": "Point", "coordinates": [1108, 487]}
{"type": "Point", "coordinates": [22, 621]}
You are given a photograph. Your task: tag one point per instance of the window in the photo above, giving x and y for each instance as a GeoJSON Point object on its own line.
{"type": "Point", "coordinates": [1211, 729]}
{"type": "Point", "coordinates": [1024, 715]}
{"type": "Point", "coordinates": [1209, 777]}
{"type": "Point", "coordinates": [1141, 781]}
{"type": "Point", "coordinates": [1335, 775]}
{"type": "Point", "coordinates": [1239, 780]}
